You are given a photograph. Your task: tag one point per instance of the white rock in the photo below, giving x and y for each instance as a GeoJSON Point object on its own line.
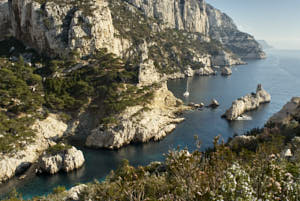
{"type": "Point", "coordinates": [138, 125]}
{"type": "Point", "coordinates": [247, 103]}
{"type": "Point", "coordinates": [73, 193]}
{"type": "Point", "coordinates": [45, 130]}
{"type": "Point", "coordinates": [189, 72]}
{"type": "Point", "coordinates": [205, 71]}
{"type": "Point", "coordinates": [66, 160]}
{"type": "Point", "coordinates": [226, 71]}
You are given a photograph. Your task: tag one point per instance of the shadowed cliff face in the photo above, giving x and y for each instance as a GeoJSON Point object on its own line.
{"type": "Point", "coordinates": [4, 19]}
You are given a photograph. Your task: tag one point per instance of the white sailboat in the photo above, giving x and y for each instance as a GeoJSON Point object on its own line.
{"type": "Point", "coordinates": [187, 93]}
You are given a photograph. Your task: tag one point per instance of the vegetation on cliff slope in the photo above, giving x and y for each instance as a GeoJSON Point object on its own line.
{"type": "Point", "coordinates": [171, 50]}
{"type": "Point", "coordinates": [31, 86]}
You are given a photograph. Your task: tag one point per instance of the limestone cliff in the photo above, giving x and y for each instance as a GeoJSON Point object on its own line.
{"type": "Point", "coordinates": [4, 19]}
{"type": "Point", "coordinates": [68, 27]}
{"type": "Point", "coordinates": [223, 29]}
{"type": "Point", "coordinates": [141, 123]}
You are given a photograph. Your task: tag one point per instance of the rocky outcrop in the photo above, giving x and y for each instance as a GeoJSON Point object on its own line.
{"type": "Point", "coordinates": [224, 58]}
{"type": "Point", "coordinates": [65, 160]}
{"type": "Point", "coordinates": [140, 123]}
{"type": "Point", "coordinates": [289, 112]}
{"type": "Point", "coordinates": [226, 71]}
{"type": "Point", "coordinates": [17, 162]}
{"type": "Point", "coordinates": [205, 71]}
{"type": "Point", "coordinates": [4, 19]}
{"type": "Point", "coordinates": [247, 103]}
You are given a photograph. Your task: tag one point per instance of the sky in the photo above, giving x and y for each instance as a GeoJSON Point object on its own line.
{"type": "Point", "coordinates": [275, 21]}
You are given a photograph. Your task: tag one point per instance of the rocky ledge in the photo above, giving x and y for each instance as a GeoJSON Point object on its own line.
{"type": "Point", "coordinates": [46, 131]}
{"type": "Point", "coordinates": [141, 123]}
{"type": "Point", "coordinates": [66, 160]}
{"type": "Point", "coordinates": [247, 103]}
{"type": "Point", "coordinates": [289, 112]}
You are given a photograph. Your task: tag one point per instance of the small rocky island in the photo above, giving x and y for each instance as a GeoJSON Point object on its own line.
{"type": "Point", "coordinates": [247, 103]}
{"type": "Point", "coordinates": [60, 158]}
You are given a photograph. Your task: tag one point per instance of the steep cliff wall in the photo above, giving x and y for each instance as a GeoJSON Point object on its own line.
{"type": "Point", "coordinates": [173, 34]}
{"type": "Point", "coordinates": [198, 16]}
{"type": "Point", "coordinates": [57, 28]}
{"type": "Point", "coordinates": [4, 19]}
{"type": "Point", "coordinates": [223, 29]}
{"type": "Point", "coordinates": [177, 14]}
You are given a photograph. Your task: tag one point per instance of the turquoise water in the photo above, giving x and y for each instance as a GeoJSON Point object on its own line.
{"type": "Point", "coordinates": [279, 74]}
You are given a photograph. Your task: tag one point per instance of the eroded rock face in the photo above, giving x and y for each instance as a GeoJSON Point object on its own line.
{"type": "Point", "coordinates": [139, 125]}
{"type": "Point", "coordinates": [290, 111]}
{"type": "Point", "coordinates": [247, 103]}
{"type": "Point", "coordinates": [59, 28]}
{"type": "Point", "coordinates": [66, 160]}
{"type": "Point", "coordinates": [4, 19]}
{"type": "Point", "coordinates": [46, 130]}
{"type": "Point", "coordinates": [188, 15]}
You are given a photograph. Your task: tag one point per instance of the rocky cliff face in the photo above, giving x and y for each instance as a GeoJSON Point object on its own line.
{"type": "Point", "coordinates": [289, 112]}
{"type": "Point", "coordinates": [139, 123]}
{"type": "Point", "coordinates": [182, 15]}
{"type": "Point", "coordinates": [223, 29]}
{"type": "Point", "coordinates": [46, 131]}
{"type": "Point", "coordinates": [59, 28]}
{"type": "Point", "coordinates": [63, 28]}
{"type": "Point", "coordinates": [4, 19]}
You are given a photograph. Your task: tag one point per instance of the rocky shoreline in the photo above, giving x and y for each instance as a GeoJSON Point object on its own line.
{"type": "Point", "coordinates": [137, 124]}
{"type": "Point", "coordinates": [19, 161]}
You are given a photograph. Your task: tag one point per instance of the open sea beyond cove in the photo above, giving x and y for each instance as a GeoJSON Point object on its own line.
{"type": "Point", "coordinates": [279, 75]}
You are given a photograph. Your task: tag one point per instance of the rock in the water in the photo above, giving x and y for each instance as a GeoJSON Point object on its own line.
{"type": "Point", "coordinates": [196, 106]}
{"type": "Point", "coordinates": [205, 71]}
{"type": "Point", "coordinates": [247, 103]}
{"type": "Point", "coordinates": [290, 111]}
{"type": "Point", "coordinates": [136, 124]}
{"type": "Point", "coordinates": [214, 103]}
{"type": "Point", "coordinates": [66, 160]}
{"type": "Point", "coordinates": [226, 71]}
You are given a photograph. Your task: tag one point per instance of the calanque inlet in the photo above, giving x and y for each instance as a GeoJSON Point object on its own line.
{"type": "Point", "coordinates": [96, 72]}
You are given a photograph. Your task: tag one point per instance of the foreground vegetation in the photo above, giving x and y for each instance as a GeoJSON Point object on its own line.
{"type": "Point", "coordinates": [245, 173]}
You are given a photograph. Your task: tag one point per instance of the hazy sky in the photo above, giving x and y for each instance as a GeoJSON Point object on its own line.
{"type": "Point", "coordinates": [276, 21]}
